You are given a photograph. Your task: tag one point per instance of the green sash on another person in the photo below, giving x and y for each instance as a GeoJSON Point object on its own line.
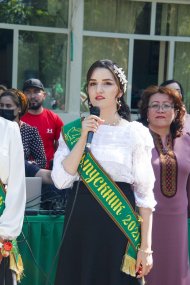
{"type": "Point", "coordinates": [15, 258]}
{"type": "Point", "coordinates": [109, 196]}
{"type": "Point", "coordinates": [2, 197]}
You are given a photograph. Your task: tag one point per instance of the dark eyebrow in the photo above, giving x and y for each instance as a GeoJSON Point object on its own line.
{"type": "Point", "coordinates": [106, 79]}
{"type": "Point", "coordinates": [162, 102]}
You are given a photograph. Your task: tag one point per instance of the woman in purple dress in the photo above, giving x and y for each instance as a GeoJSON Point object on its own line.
{"type": "Point", "coordinates": [162, 110]}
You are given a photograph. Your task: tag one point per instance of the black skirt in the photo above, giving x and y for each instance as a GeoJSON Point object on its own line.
{"type": "Point", "coordinates": [93, 246]}
{"type": "Point", "coordinates": [7, 276]}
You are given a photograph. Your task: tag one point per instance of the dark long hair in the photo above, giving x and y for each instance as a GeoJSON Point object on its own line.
{"type": "Point", "coordinates": [177, 125]}
{"type": "Point", "coordinates": [18, 98]}
{"type": "Point", "coordinates": [123, 111]}
{"type": "Point", "coordinates": [170, 81]}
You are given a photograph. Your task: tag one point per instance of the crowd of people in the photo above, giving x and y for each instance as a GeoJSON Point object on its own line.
{"type": "Point", "coordinates": [129, 187]}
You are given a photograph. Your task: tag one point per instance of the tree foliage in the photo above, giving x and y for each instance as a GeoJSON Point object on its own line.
{"type": "Point", "coordinates": [14, 12]}
{"type": "Point", "coordinates": [27, 12]}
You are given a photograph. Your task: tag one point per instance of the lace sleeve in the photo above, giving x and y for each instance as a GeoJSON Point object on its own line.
{"type": "Point", "coordinates": [61, 178]}
{"type": "Point", "coordinates": [142, 169]}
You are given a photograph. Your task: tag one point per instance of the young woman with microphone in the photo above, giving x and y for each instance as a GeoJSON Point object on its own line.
{"type": "Point", "coordinates": [104, 240]}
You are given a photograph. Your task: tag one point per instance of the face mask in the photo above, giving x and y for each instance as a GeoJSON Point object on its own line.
{"type": "Point", "coordinates": [7, 114]}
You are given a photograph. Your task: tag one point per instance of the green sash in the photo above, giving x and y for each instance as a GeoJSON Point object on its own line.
{"type": "Point", "coordinates": [15, 258]}
{"type": "Point", "coordinates": [109, 196]}
{"type": "Point", "coordinates": [2, 198]}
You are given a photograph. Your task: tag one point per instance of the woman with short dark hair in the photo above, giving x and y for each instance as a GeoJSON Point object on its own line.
{"type": "Point", "coordinates": [13, 105]}
{"type": "Point", "coordinates": [162, 111]}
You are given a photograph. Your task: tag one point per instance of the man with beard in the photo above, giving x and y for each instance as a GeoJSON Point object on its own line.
{"type": "Point", "coordinates": [47, 122]}
{"type": "Point", "coordinates": [49, 126]}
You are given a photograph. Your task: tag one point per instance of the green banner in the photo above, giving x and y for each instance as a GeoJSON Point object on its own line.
{"type": "Point", "coordinates": [110, 197]}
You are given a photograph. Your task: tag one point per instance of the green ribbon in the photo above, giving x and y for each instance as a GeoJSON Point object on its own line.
{"type": "Point", "coordinates": [14, 249]}
{"type": "Point", "coordinates": [2, 198]}
{"type": "Point", "coordinates": [106, 191]}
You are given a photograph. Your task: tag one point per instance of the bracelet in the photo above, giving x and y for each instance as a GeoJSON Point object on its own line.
{"type": "Point", "coordinates": [145, 251]}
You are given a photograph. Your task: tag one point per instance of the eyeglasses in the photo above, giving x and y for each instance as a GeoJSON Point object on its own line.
{"type": "Point", "coordinates": [165, 107]}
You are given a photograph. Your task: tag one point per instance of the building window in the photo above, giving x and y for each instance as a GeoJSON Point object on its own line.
{"type": "Point", "coordinates": [119, 16]}
{"type": "Point", "coordinates": [6, 56]}
{"type": "Point", "coordinates": [44, 56]}
{"type": "Point", "coordinates": [182, 69]}
{"type": "Point", "coordinates": [46, 13]}
{"type": "Point", "coordinates": [173, 20]}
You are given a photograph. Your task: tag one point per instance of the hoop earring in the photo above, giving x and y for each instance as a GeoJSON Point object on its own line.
{"type": "Point", "coordinates": [89, 104]}
{"type": "Point", "coordinates": [118, 102]}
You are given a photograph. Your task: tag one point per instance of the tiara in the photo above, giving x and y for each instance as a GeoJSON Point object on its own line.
{"type": "Point", "coordinates": [121, 75]}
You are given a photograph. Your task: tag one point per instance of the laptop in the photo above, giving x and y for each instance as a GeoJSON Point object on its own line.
{"type": "Point", "coordinates": [33, 194]}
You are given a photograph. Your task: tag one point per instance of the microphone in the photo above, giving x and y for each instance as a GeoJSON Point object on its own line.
{"type": "Point", "coordinates": [93, 111]}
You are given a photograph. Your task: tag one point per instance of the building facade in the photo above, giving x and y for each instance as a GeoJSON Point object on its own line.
{"type": "Point", "coordinates": [57, 40]}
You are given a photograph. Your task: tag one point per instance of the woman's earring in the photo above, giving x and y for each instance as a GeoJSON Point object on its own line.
{"type": "Point", "coordinates": [89, 104]}
{"type": "Point", "coordinates": [147, 120]}
{"type": "Point", "coordinates": [118, 101]}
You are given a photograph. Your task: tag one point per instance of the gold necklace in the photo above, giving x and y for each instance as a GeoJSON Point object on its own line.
{"type": "Point", "coordinates": [115, 123]}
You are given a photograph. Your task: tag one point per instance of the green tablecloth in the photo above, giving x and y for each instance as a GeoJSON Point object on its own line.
{"type": "Point", "coordinates": [43, 235]}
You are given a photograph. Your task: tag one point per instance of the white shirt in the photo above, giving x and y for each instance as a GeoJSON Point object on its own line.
{"type": "Point", "coordinates": [12, 173]}
{"type": "Point", "coordinates": [125, 154]}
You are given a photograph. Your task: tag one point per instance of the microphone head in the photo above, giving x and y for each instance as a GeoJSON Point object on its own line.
{"type": "Point", "coordinates": [95, 111]}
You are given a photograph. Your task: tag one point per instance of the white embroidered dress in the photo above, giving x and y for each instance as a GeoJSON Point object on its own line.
{"type": "Point", "coordinates": [125, 154]}
{"type": "Point", "coordinates": [12, 173]}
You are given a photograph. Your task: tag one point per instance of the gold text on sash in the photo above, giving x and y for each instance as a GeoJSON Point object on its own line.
{"type": "Point", "coordinates": [104, 189]}
{"type": "Point", "coordinates": [109, 196]}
